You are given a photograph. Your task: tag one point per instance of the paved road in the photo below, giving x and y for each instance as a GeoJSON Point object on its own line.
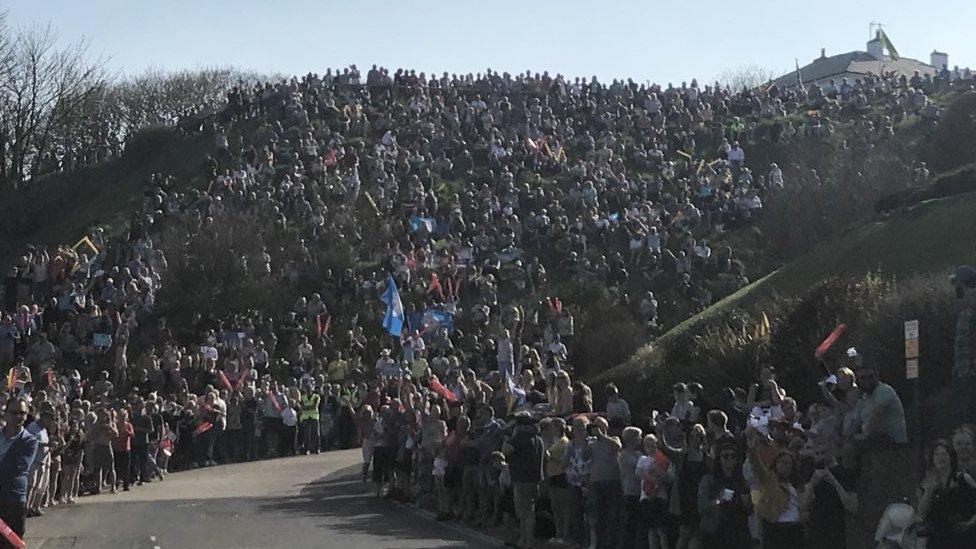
{"type": "Point", "coordinates": [310, 501]}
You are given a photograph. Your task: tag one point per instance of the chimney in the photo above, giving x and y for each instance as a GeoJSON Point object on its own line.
{"type": "Point", "coordinates": [875, 49]}
{"type": "Point", "coordinates": [939, 60]}
{"type": "Point", "coordinates": [823, 53]}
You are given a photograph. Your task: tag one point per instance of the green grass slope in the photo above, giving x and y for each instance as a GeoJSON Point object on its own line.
{"type": "Point", "coordinates": [60, 208]}
{"type": "Point", "coordinates": [931, 236]}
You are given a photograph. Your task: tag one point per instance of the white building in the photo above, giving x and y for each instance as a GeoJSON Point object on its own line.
{"type": "Point", "coordinates": [857, 64]}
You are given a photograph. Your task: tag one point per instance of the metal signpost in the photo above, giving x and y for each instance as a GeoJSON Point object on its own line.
{"type": "Point", "coordinates": [911, 373]}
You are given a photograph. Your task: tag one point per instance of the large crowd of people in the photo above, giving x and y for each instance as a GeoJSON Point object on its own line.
{"type": "Point", "coordinates": [470, 193]}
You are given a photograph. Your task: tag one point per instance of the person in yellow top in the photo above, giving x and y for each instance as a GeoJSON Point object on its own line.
{"type": "Point", "coordinates": [777, 501]}
{"type": "Point", "coordinates": [554, 434]}
{"type": "Point", "coordinates": [418, 368]}
{"type": "Point", "coordinates": [338, 368]}
{"type": "Point", "coordinates": [308, 418]}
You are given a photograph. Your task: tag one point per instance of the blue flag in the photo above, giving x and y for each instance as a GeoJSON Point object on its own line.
{"type": "Point", "coordinates": [393, 319]}
{"type": "Point", "coordinates": [434, 320]}
{"type": "Point", "coordinates": [427, 222]}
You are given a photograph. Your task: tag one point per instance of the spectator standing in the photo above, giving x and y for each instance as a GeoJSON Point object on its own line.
{"type": "Point", "coordinates": [630, 484]}
{"type": "Point", "coordinates": [828, 499]}
{"type": "Point", "coordinates": [506, 355]}
{"type": "Point", "coordinates": [309, 418]}
{"type": "Point", "coordinates": [103, 433]}
{"type": "Point", "coordinates": [40, 469]}
{"type": "Point", "coordinates": [778, 501]}
{"type": "Point", "coordinates": [879, 410]}
{"type": "Point", "coordinates": [142, 428]}
{"type": "Point", "coordinates": [723, 501]}
{"type": "Point", "coordinates": [946, 501]}
{"type": "Point", "coordinates": [526, 453]}
{"type": "Point", "coordinates": [122, 450]}
{"type": "Point", "coordinates": [17, 450]}
{"type": "Point", "coordinates": [556, 477]}
{"type": "Point", "coordinates": [602, 453]}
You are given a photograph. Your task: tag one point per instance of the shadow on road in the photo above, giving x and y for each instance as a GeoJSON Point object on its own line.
{"type": "Point", "coordinates": [351, 508]}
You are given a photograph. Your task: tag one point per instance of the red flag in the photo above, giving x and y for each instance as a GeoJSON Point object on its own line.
{"type": "Point", "coordinates": [274, 401]}
{"type": "Point", "coordinates": [51, 380]}
{"type": "Point", "coordinates": [442, 390]}
{"type": "Point", "coordinates": [202, 428]}
{"type": "Point", "coordinates": [831, 339]}
{"type": "Point", "coordinates": [11, 536]}
{"type": "Point", "coordinates": [224, 381]}
{"type": "Point", "coordinates": [240, 380]}
{"type": "Point", "coordinates": [318, 326]}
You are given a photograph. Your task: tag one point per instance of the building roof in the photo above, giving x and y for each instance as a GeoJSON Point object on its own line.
{"type": "Point", "coordinates": [857, 62]}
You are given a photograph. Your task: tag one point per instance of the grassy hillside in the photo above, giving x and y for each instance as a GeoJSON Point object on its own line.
{"type": "Point", "coordinates": [60, 208]}
{"type": "Point", "coordinates": [931, 236]}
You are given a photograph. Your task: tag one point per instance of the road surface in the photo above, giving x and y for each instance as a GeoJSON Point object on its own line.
{"type": "Point", "coordinates": [308, 501]}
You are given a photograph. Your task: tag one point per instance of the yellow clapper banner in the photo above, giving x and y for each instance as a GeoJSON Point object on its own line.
{"type": "Point", "coordinates": [87, 242]}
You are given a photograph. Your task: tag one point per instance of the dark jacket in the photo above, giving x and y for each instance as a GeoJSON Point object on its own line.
{"type": "Point", "coordinates": [14, 466]}
{"type": "Point", "coordinates": [527, 456]}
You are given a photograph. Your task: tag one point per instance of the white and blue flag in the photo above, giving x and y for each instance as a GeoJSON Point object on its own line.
{"type": "Point", "coordinates": [393, 320]}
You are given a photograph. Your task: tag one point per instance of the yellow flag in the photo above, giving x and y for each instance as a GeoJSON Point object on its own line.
{"type": "Point", "coordinates": [762, 330]}
{"type": "Point", "coordinates": [684, 154]}
{"type": "Point", "coordinates": [86, 241]}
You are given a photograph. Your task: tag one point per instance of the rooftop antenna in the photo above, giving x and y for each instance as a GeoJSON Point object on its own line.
{"type": "Point", "coordinates": [873, 28]}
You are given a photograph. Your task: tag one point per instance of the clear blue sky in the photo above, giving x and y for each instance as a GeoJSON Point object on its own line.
{"type": "Point", "coordinates": [655, 40]}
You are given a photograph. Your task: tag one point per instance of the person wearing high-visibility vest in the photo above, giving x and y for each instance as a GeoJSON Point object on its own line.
{"type": "Point", "coordinates": [308, 418]}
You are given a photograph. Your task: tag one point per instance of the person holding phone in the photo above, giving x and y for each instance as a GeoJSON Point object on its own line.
{"type": "Point", "coordinates": [723, 500]}
{"type": "Point", "coordinates": [829, 497]}
{"type": "Point", "coordinates": [946, 500]}
{"type": "Point", "coordinates": [779, 501]}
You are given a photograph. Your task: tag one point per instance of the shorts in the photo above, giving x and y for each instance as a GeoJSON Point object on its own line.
{"type": "Point", "coordinates": [404, 462]}
{"type": "Point", "coordinates": [383, 460]}
{"type": "Point", "coordinates": [452, 477]}
{"type": "Point", "coordinates": [654, 513]}
{"type": "Point", "coordinates": [102, 457]}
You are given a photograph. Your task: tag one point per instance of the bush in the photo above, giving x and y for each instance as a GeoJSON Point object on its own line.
{"type": "Point", "coordinates": [954, 142]}
{"type": "Point", "coordinates": [930, 300]}
{"type": "Point", "coordinates": [850, 182]}
{"type": "Point", "coordinates": [811, 319]}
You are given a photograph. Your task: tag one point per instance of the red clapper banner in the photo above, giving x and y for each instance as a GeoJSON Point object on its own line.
{"type": "Point", "coordinates": [831, 339]}
{"type": "Point", "coordinates": [11, 536]}
{"type": "Point", "coordinates": [442, 390]}
{"type": "Point", "coordinates": [224, 381]}
{"type": "Point", "coordinates": [274, 401]}
{"type": "Point", "coordinates": [202, 428]}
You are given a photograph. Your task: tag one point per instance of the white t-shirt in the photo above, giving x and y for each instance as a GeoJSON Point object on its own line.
{"type": "Point", "coordinates": [43, 450]}
{"type": "Point", "coordinates": [289, 417]}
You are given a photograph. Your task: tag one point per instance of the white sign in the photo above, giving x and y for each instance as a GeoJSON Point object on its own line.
{"type": "Point", "coordinates": [911, 369]}
{"type": "Point", "coordinates": [911, 329]}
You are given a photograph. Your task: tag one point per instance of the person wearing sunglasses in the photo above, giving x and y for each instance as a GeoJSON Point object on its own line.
{"type": "Point", "coordinates": [17, 449]}
{"type": "Point", "coordinates": [723, 500]}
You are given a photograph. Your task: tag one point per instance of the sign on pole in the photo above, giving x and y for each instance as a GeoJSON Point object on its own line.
{"type": "Point", "coordinates": [911, 349]}
{"type": "Point", "coordinates": [911, 368]}
{"type": "Point", "coordinates": [911, 329]}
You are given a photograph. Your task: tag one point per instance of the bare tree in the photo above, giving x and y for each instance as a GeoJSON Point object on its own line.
{"type": "Point", "coordinates": [41, 87]}
{"type": "Point", "coordinates": [746, 77]}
